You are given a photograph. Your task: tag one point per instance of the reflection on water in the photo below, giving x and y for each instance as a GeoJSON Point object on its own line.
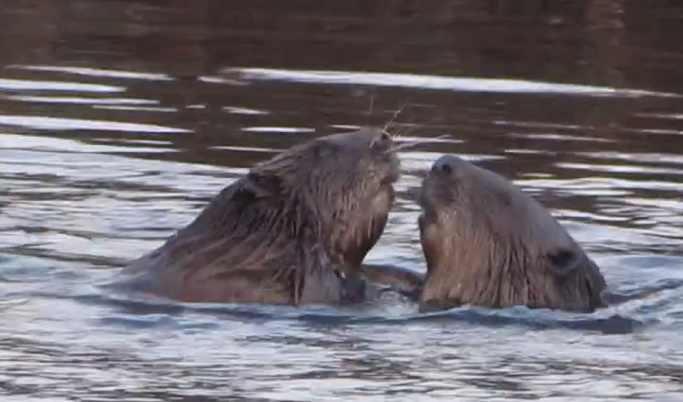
{"type": "Point", "coordinates": [120, 119]}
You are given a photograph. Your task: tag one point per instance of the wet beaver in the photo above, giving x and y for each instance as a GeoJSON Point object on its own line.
{"type": "Point", "coordinates": [295, 230]}
{"type": "Point", "coordinates": [487, 243]}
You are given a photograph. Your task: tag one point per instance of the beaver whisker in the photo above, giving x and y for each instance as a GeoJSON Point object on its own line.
{"type": "Point", "coordinates": [404, 146]}
{"type": "Point", "coordinates": [411, 128]}
{"type": "Point", "coordinates": [372, 103]}
{"type": "Point", "coordinates": [415, 142]}
{"type": "Point", "coordinates": [396, 113]}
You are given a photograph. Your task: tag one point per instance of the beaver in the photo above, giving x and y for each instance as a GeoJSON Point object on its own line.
{"type": "Point", "coordinates": [488, 243]}
{"type": "Point", "coordinates": [293, 231]}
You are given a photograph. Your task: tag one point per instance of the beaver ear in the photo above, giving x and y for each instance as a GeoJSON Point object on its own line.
{"type": "Point", "coordinates": [563, 261]}
{"type": "Point", "coordinates": [261, 185]}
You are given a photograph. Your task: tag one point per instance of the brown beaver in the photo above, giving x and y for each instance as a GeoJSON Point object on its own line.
{"type": "Point", "coordinates": [295, 230]}
{"type": "Point", "coordinates": [487, 243]}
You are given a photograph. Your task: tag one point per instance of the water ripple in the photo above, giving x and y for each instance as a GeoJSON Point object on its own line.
{"type": "Point", "coordinates": [57, 123]}
{"type": "Point", "coordinates": [13, 84]}
{"type": "Point", "coordinates": [422, 81]}
{"type": "Point", "coordinates": [94, 72]}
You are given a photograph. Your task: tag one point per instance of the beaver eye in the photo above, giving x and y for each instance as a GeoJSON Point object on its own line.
{"type": "Point", "coordinates": [446, 168]}
{"type": "Point", "coordinates": [381, 140]}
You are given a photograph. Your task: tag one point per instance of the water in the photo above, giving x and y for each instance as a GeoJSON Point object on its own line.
{"type": "Point", "coordinates": [120, 119]}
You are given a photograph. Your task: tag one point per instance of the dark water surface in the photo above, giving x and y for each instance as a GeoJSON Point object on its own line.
{"type": "Point", "coordinates": [120, 119]}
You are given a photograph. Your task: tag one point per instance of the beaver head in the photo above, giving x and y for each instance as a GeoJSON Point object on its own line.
{"type": "Point", "coordinates": [345, 181]}
{"type": "Point", "coordinates": [488, 243]}
{"type": "Point", "coordinates": [295, 229]}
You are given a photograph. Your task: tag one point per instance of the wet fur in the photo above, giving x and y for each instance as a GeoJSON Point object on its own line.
{"type": "Point", "coordinates": [294, 230]}
{"type": "Point", "coordinates": [487, 243]}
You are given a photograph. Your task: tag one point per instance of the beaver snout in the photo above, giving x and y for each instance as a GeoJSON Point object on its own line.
{"type": "Point", "coordinates": [448, 164]}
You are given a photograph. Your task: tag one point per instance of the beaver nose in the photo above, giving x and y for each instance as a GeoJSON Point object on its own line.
{"type": "Point", "coordinates": [447, 163]}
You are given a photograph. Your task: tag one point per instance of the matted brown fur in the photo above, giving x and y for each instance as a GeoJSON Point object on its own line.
{"type": "Point", "coordinates": [487, 243]}
{"type": "Point", "coordinates": [294, 230]}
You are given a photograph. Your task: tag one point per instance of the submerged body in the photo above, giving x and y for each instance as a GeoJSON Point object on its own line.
{"type": "Point", "coordinates": [488, 243]}
{"type": "Point", "coordinates": [295, 230]}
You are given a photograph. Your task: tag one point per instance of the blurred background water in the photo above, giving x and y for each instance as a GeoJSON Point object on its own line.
{"type": "Point", "coordinates": [120, 119]}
